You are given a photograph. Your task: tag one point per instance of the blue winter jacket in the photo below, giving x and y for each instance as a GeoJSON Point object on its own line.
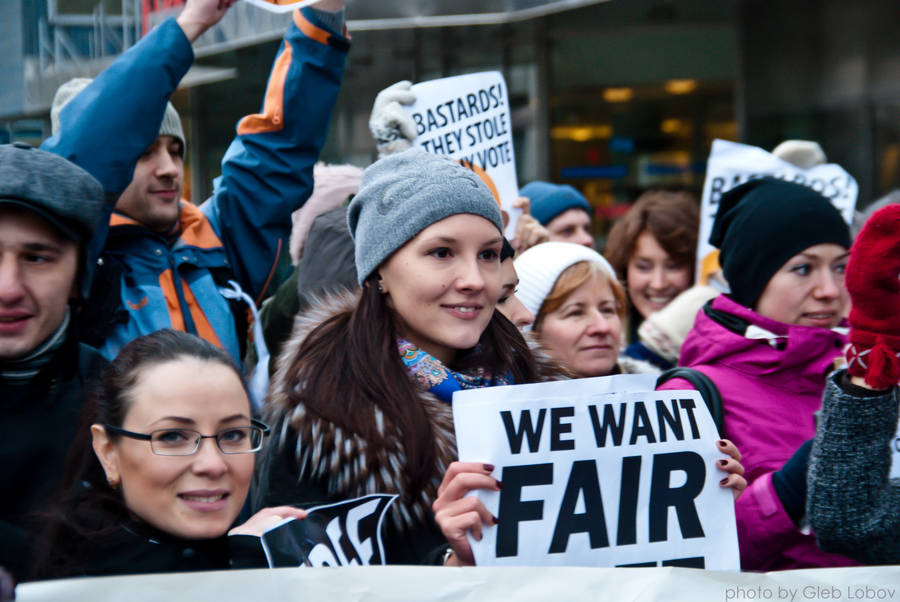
{"type": "Point", "coordinates": [167, 282]}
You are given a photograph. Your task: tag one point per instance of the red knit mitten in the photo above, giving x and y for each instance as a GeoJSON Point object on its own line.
{"type": "Point", "coordinates": [873, 281]}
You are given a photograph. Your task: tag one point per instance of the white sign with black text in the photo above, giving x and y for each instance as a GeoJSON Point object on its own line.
{"type": "Point", "coordinates": [598, 472]}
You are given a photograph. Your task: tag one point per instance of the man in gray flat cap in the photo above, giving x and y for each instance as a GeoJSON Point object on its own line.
{"type": "Point", "coordinates": [49, 209]}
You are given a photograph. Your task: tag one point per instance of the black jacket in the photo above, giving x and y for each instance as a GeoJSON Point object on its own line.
{"type": "Point", "coordinates": [132, 547]}
{"type": "Point", "coordinates": [38, 422]}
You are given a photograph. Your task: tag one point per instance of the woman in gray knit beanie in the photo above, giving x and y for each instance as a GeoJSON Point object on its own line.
{"type": "Point", "coordinates": [360, 402]}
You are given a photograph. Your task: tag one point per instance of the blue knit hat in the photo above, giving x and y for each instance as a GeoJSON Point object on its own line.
{"type": "Point", "coordinates": [549, 200]}
{"type": "Point", "coordinates": [404, 193]}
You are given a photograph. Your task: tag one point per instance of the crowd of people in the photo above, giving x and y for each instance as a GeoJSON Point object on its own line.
{"type": "Point", "coordinates": [129, 333]}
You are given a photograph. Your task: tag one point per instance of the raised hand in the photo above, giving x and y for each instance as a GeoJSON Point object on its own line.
{"type": "Point", "coordinates": [529, 231]}
{"type": "Point", "coordinates": [199, 15]}
{"type": "Point", "coordinates": [391, 126]}
{"type": "Point", "coordinates": [873, 281]}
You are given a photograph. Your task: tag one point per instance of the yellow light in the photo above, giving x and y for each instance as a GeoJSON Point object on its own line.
{"type": "Point", "coordinates": [581, 133]}
{"type": "Point", "coordinates": [681, 86]}
{"type": "Point", "coordinates": [671, 126]}
{"type": "Point", "coordinates": [618, 94]}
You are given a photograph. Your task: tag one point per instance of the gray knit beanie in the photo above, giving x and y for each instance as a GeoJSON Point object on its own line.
{"type": "Point", "coordinates": [171, 123]}
{"type": "Point", "coordinates": [403, 194]}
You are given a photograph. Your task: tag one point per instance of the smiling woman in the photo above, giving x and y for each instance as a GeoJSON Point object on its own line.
{"type": "Point", "coordinates": [652, 250]}
{"type": "Point", "coordinates": [361, 400]}
{"type": "Point", "coordinates": [155, 496]}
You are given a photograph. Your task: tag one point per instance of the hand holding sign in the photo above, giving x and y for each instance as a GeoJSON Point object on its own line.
{"type": "Point", "coordinates": [391, 125]}
{"type": "Point", "coordinates": [456, 515]}
{"type": "Point", "coordinates": [731, 465]}
{"type": "Point", "coordinates": [529, 231]}
{"type": "Point", "coordinates": [263, 520]}
{"type": "Point", "coordinates": [199, 15]}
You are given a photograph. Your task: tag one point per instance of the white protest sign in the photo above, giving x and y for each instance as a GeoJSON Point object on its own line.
{"type": "Point", "coordinates": [731, 164]}
{"type": "Point", "coordinates": [598, 472]}
{"type": "Point", "coordinates": [280, 6]}
{"type": "Point", "coordinates": [467, 118]}
{"type": "Point", "coordinates": [475, 584]}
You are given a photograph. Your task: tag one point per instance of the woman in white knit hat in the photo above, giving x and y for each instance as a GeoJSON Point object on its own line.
{"type": "Point", "coordinates": [579, 308]}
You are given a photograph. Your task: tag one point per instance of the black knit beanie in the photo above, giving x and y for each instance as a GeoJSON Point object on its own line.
{"type": "Point", "coordinates": [763, 223]}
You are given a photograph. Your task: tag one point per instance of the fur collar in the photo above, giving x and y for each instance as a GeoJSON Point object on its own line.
{"type": "Point", "coordinates": [345, 462]}
{"type": "Point", "coordinates": [630, 365]}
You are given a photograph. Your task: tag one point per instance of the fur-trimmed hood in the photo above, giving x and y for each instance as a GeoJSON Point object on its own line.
{"type": "Point", "coordinates": [345, 462]}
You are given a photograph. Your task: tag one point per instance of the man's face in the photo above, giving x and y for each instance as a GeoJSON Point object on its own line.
{"type": "Point", "coordinates": [38, 269]}
{"type": "Point", "coordinates": [153, 195]}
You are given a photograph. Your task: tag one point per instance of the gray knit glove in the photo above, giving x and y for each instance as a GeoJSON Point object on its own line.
{"type": "Point", "coordinates": [391, 125]}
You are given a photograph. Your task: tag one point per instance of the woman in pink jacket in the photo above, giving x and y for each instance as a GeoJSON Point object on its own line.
{"type": "Point", "coordinates": [768, 346]}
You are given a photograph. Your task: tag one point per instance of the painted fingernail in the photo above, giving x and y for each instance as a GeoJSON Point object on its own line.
{"type": "Point", "coordinates": [723, 462]}
{"type": "Point", "coordinates": [721, 443]}
{"type": "Point", "coordinates": [489, 467]}
{"type": "Point", "coordinates": [499, 484]}
{"type": "Point", "coordinates": [724, 481]}
{"type": "Point", "coordinates": [495, 519]}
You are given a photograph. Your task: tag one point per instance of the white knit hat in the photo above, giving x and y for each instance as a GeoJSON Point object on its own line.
{"type": "Point", "coordinates": [540, 266]}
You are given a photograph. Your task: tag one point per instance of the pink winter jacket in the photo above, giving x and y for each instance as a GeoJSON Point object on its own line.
{"type": "Point", "coordinates": [771, 378]}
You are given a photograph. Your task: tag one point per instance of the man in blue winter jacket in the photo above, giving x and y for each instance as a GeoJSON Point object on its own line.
{"type": "Point", "coordinates": [165, 262]}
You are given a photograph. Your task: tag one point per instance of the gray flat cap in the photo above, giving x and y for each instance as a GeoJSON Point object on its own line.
{"type": "Point", "coordinates": [403, 194]}
{"type": "Point", "coordinates": [56, 189]}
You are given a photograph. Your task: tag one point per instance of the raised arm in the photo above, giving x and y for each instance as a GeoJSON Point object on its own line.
{"type": "Point", "coordinates": [110, 123]}
{"type": "Point", "coordinates": [267, 170]}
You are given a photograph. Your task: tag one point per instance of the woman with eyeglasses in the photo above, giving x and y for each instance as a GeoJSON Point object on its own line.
{"type": "Point", "coordinates": [161, 468]}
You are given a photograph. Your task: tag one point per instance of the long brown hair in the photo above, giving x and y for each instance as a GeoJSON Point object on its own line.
{"type": "Point", "coordinates": [349, 366]}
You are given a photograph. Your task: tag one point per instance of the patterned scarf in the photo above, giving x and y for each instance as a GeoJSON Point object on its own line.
{"type": "Point", "coordinates": [430, 373]}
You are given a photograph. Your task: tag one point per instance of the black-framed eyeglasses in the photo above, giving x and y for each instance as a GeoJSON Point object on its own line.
{"type": "Point", "coordinates": [185, 442]}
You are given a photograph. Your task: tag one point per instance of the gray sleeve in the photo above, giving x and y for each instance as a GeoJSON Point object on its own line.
{"type": "Point", "coordinates": [853, 507]}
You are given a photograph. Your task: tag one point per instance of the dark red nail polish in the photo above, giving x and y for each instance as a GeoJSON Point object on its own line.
{"type": "Point", "coordinates": [723, 462]}
{"type": "Point", "coordinates": [499, 485]}
{"type": "Point", "coordinates": [496, 520]}
{"type": "Point", "coordinates": [721, 443]}
{"type": "Point", "coordinates": [724, 481]}
{"type": "Point", "coordinates": [489, 467]}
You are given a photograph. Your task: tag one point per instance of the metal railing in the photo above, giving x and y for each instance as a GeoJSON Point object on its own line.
{"type": "Point", "coordinates": [61, 36]}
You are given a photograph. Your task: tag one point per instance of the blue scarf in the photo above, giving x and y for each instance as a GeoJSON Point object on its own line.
{"type": "Point", "coordinates": [431, 374]}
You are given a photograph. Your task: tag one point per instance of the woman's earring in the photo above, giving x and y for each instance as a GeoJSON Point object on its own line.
{"type": "Point", "coordinates": [380, 288]}
{"type": "Point", "coordinates": [113, 483]}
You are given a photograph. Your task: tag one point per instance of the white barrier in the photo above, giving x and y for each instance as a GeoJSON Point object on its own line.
{"type": "Point", "coordinates": [517, 584]}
